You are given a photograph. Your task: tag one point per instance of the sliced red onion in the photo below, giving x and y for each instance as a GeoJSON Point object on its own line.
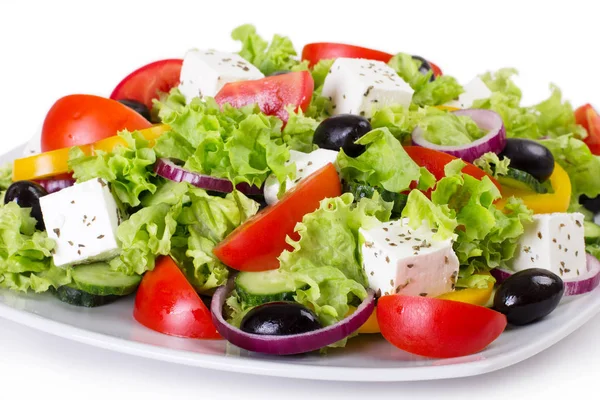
{"type": "Point", "coordinates": [289, 344]}
{"type": "Point", "coordinates": [584, 283]}
{"type": "Point", "coordinates": [169, 170]}
{"type": "Point", "coordinates": [494, 141]}
{"type": "Point", "coordinates": [54, 185]}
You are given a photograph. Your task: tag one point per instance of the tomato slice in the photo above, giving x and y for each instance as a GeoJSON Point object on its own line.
{"type": "Point", "coordinates": [80, 119]}
{"type": "Point", "coordinates": [437, 328]}
{"type": "Point", "coordinates": [587, 117]}
{"type": "Point", "coordinates": [167, 303]}
{"type": "Point", "coordinates": [435, 161]}
{"type": "Point", "coordinates": [437, 71]}
{"type": "Point", "coordinates": [272, 94]}
{"type": "Point", "coordinates": [313, 52]}
{"type": "Point", "coordinates": [256, 244]}
{"type": "Point", "coordinates": [145, 83]}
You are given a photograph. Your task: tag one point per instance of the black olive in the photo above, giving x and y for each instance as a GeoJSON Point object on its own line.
{"type": "Point", "coordinates": [280, 318]}
{"type": "Point", "coordinates": [27, 194]}
{"type": "Point", "coordinates": [529, 156]}
{"type": "Point", "coordinates": [137, 107]}
{"type": "Point", "coordinates": [341, 131]}
{"type": "Point", "coordinates": [425, 67]}
{"type": "Point", "coordinates": [280, 72]}
{"type": "Point", "coordinates": [591, 204]}
{"type": "Point", "coordinates": [528, 295]}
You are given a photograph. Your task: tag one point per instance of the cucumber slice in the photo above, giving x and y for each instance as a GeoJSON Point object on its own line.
{"type": "Point", "coordinates": [518, 179]}
{"type": "Point", "coordinates": [100, 280]}
{"type": "Point", "coordinates": [591, 231]}
{"type": "Point", "coordinates": [360, 190]}
{"type": "Point", "coordinates": [256, 288]}
{"type": "Point", "coordinates": [71, 294]}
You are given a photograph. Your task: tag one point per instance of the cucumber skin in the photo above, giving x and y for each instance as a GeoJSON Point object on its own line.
{"type": "Point", "coordinates": [99, 289]}
{"type": "Point", "coordinates": [251, 300]}
{"type": "Point", "coordinates": [522, 180]}
{"type": "Point", "coordinates": [80, 298]}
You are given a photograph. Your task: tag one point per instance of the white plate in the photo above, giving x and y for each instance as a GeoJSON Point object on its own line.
{"type": "Point", "coordinates": [366, 358]}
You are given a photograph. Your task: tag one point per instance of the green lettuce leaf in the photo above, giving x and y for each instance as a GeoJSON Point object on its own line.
{"type": "Point", "coordinates": [419, 209]}
{"type": "Point", "coordinates": [399, 120]}
{"type": "Point", "coordinates": [127, 169]}
{"type": "Point", "coordinates": [241, 145]}
{"type": "Point", "coordinates": [5, 176]}
{"type": "Point", "coordinates": [384, 164]}
{"type": "Point", "coordinates": [448, 129]}
{"type": "Point", "coordinates": [326, 254]}
{"type": "Point", "coordinates": [491, 164]}
{"type": "Point", "coordinates": [580, 164]}
{"type": "Point", "coordinates": [439, 91]}
{"type": "Point", "coordinates": [26, 254]}
{"type": "Point", "coordinates": [486, 237]}
{"type": "Point", "coordinates": [267, 57]}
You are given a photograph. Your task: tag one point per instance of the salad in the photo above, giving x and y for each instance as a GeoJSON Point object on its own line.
{"type": "Point", "coordinates": [290, 203]}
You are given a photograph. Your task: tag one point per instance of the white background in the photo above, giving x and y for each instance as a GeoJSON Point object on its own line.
{"type": "Point", "coordinates": [54, 48]}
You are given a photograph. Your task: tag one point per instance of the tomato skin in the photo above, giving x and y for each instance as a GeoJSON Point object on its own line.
{"type": "Point", "coordinates": [143, 84]}
{"type": "Point", "coordinates": [587, 117]}
{"type": "Point", "coordinates": [313, 52]}
{"type": "Point", "coordinates": [81, 119]}
{"type": "Point", "coordinates": [256, 244]}
{"type": "Point", "coordinates": [435, 161]}
{"type": "Point", "coordinates": [437, 71]}
{"type": "Point", "coordinates": [167, 303]}
{"type": "Point", "coordinates": [272, 94]}
{"type": "Point", "coordinates": [437, 328]}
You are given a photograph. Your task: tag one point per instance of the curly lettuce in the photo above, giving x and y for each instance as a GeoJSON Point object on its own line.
{"type": "Point", "coordinates": [26, 254]}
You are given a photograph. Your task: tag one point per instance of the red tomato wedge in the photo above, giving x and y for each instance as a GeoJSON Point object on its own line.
{"type": "Point", "coordinates": [437, 328]}
{"type": "Point", "coordinates": [437, 71]}
{"type": "Point", "coordinates": [144, 84]}
{"type": "Point", "coordinates": [313, 52]}
{"type": "Point", "coordinates": [167, 303]}
{"type": "Point", "coordinates": [256, 244]}
{"type": "Point", "coordinates": [435, 161]}
{"type": "Point", "coordinates": [587, 117]}
{"type": "Point", "coordinates": [272, 94]}
{"type": "Point", "coordinates": [80, 119]}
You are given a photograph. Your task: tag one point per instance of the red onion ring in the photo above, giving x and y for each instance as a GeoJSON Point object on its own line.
{"type": "Point", "coordinates": [289, 344]}
{"type": "Point", "coordinates": [54, 185]}
{"type": "Point", "coordinates": [584, 283]}
{"type": "Point", "coordinates": [173, 172]}
{"type": "Point", "coordinates": [493, 141]}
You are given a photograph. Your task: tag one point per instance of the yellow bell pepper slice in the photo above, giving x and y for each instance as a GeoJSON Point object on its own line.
{"type": "Point", "coordinates": [447, 108]}
{"type": "Point", "coordinates": [371, 325]}
{"type": "Point", "coordinates": [52, 163]}
{"type": "Point", "coordinates": [543, 203]}
{"type": "Point", "coordinates": [479, 297]}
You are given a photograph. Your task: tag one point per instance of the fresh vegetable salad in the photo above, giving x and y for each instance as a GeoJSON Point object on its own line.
{"type": "Point", "coordinates": [290, 203]}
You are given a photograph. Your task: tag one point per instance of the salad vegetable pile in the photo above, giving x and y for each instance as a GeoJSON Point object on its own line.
{"type": "Point", "coordinates": [290, 203]}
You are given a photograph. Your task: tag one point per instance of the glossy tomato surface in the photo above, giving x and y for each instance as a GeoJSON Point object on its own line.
{"type": "Point", "coordinates": [167, 303]}
{"type": "Point", "coordinates": [145, 83]}
{"type": "Point", "coordinates": [437, 328]}
{"type": "Point", "coordinates": [272, 94]}
{"type": "Point", "coordinates": [587, 117]}
{"type": "Point", "coordinates": [82, 119]}
{"type": "Point", "coordinates": [313, 52]}
{"type": "Point", "coordinates": [256, 244]}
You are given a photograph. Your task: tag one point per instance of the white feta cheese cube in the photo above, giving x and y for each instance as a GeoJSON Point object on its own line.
{"type": "Point", "coordinates": [205, 72]}
{"type": "Point", "coordinates": [359, 86]}
{"type": "Point", "coordinates": [306, 164]}
{"type": "Point", "coordinates": [82, 220]}
{"type": "Point", "coordinates": [476, 89]}
{"type": "Point", "coordinates": [554, 242]}
{"type": "Point", "coordinates": [398, 259]}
